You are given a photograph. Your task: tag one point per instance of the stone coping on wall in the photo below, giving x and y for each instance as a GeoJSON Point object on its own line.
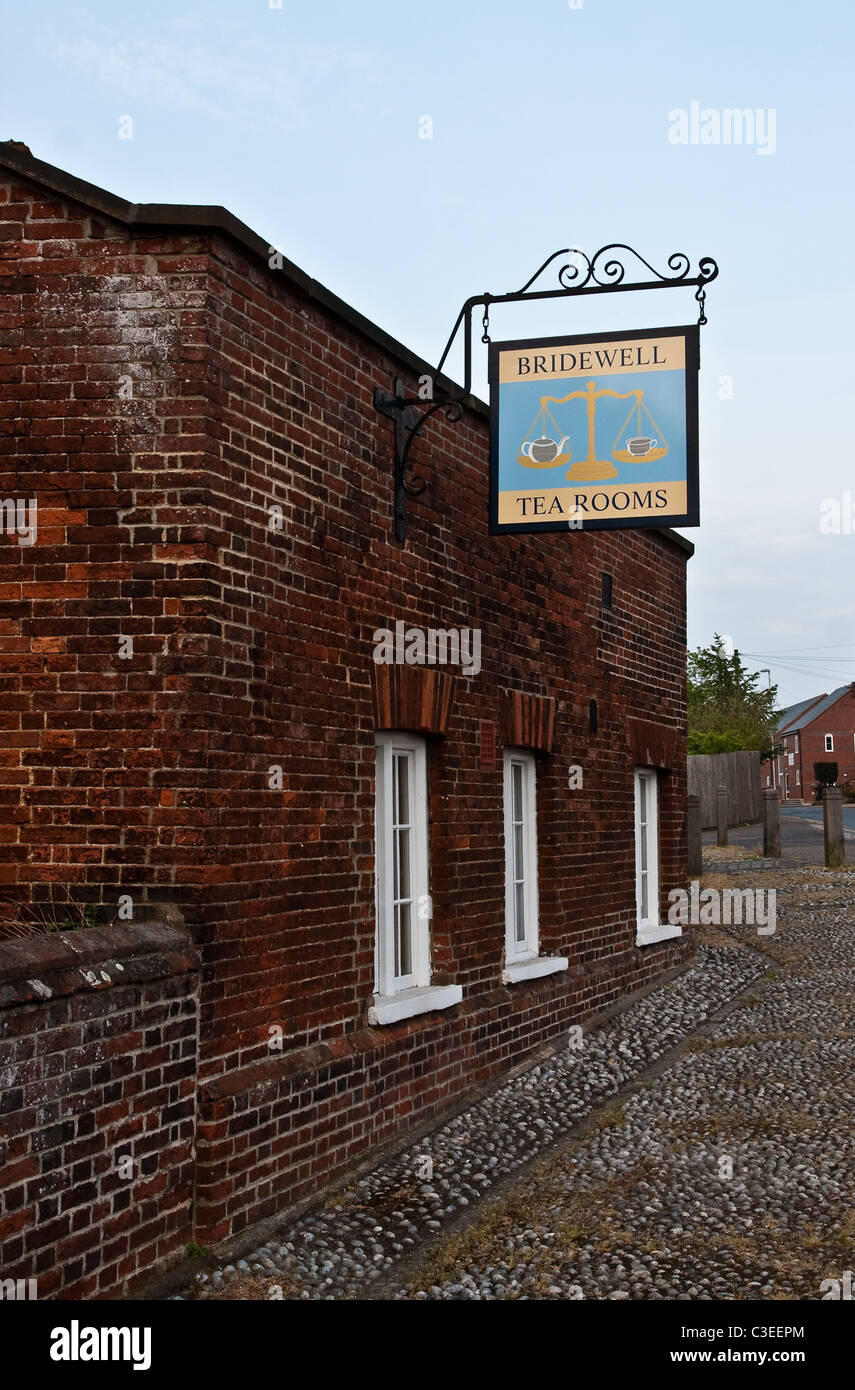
{"type": "Point", "coordinates": [34, 969]}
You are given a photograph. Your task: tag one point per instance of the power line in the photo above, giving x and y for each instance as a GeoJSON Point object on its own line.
{"type": "Point", "coordinates": [804, 660]}
{"type": "Point", "coordinates": [810, 666]}
{"type": "Point", "coordinates": [818, 675]}
{"type": "Point", "coordinates": [809, 670]}
{"type": "Point", "coordinates": [833, 646]}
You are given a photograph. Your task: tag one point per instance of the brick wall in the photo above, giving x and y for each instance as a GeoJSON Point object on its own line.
{"type": "Point", "coordinates": [98, 1057]}
{"type": "Point", "coordinates": [253, 648]}
{"type": "Point", "coordinates": [102, 764]}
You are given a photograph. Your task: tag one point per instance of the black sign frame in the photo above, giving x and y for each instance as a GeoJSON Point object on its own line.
{"type": "Point", "coordinates": [691, 335]}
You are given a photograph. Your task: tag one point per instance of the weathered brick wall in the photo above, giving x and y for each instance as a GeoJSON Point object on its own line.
{"type": "Point", "coordinates": [254, 648]}
{"type": "Point", "coordinates": [98, 1059]}
{"type": "Point", "coordinates": [102, 769]}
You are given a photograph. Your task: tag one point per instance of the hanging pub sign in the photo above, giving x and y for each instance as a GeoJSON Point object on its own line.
{"type": "Point", "coordinates": [595, 432]}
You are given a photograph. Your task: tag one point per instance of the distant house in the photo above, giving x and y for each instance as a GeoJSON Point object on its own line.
{"type": "Point", "coordinates": [819, 730]}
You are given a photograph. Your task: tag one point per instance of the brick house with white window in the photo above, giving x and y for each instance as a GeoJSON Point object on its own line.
{"type": "Point", "coordinates": [818, 730]}
{"type": "Point", "coordinates": [349, 890]}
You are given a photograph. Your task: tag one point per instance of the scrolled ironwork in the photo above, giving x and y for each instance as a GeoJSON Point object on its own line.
{"type": "Point", "coordinates": [607, 269]}
{"type": "Point", "coordinates": [568, 275]}
{"type": "Point", "coordinates": [453, 409]}
{"type": "Point", "coordinates": [568, 250]}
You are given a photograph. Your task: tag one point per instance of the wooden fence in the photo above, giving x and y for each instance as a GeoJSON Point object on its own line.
{"type": "Point", "coordinates": [739, 772]}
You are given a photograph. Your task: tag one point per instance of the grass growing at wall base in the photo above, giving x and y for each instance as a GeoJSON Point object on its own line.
{"type": "Point", "coordinates": [57, 914]}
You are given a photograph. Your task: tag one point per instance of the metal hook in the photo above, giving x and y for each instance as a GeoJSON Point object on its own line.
{"type": "Point", "coordinates": [485, 321]}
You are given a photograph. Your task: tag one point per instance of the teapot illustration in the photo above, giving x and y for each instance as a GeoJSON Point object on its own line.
{"type": "Point", "coordinates": [544, 450]}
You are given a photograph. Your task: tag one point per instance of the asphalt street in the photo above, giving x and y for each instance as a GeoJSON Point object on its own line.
{"type": "Point", "coordinates": [801, 834]}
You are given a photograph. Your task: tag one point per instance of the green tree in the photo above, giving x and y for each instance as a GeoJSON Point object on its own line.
{"type": "Point", "coordinates": [726, 709]}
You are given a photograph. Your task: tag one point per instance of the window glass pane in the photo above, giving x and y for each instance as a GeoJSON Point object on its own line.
{"type": "Point", "coordinates": [644, 913]}
{"type": "Point", "coordinates": [518, 800]}
{"type": "Point", "coordinates": [643, 838]}
{"type": "Point", "coordinates": [519, 911]}
{"type": "Point", "coordinates": [402, 799]}
{"type": "Point", "coordinates": [396, 875]}
{"type": "Point", "coordinates": [642, 799]}
{"type": "Point", "coordinates": [519, 868]}
{"type": "Point", "coordinates": [402, 867]}
{"type": "Point", "coordinates": [403, 940]}
{"type": "Point", "coordinates": [395, 816]}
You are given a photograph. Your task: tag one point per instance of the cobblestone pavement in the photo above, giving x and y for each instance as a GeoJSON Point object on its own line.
{"type": "Point", "coordinates": [698, 1145]}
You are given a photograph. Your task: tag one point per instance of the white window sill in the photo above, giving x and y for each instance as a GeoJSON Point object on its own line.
{"type": "Point", "coordinates": [390, 1008]}
{"type": "Point", "coordinates": [532, 969]}
{"type": "Point", "coordinates": [647, 936]}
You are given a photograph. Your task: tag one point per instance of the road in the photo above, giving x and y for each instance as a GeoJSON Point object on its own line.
{"type": "Point", "coordinates": [801, 834]}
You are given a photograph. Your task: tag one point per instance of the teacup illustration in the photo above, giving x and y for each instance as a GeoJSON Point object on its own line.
{"type": "Point", "coordinates": [544, 450]}
{"type": "Point", "coordinates": [640, 446]}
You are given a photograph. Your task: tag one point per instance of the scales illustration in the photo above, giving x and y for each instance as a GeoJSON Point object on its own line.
{"type": "Point", "coordinates": [550, 450]}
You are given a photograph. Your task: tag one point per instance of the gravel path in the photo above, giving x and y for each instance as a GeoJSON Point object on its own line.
{"type": "Point", "coordinates": [698, 1145]}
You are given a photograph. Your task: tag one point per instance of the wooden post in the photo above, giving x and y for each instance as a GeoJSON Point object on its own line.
{"type": "Point", "coordinates": [832, 821]}
{"type": "Point", "coordinates": [721, 815]}
{"type": "Point", "coordinates": [693, 829]}
{"type": "Point", "coordinates": [771, 824]}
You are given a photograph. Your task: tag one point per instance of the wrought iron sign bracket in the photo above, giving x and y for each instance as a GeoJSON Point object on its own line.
{"type": "Point", "coordinates": [407, 422]}
{"type": "Point", "coordinates": [602, 273]}
{"type": "Point", "coordinates": [408, 426]}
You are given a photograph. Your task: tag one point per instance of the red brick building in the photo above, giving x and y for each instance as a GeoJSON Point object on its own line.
{"type": "Point", "coordinates": [819, 730]}
{"type": "Point", "coordinates": [332, 893]}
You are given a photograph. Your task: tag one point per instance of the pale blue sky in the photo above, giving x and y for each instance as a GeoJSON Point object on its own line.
{"type": "Point", "coordinates": [550, 128]}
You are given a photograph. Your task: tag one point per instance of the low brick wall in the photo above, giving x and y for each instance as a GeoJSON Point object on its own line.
{"type": "Point", "coordinates": [98, 1062]}
{"type": "Point", "coordinates": [276, 1131]}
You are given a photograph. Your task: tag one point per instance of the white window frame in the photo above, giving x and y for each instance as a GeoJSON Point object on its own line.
{"type": "Point", "coordinates": [400, 995]}
{"type": "Point", "coordinates": [523, 960]}
{"type": "Point", "coordinates": [648, 927]}
{"type": "Point", "coordinates": [829, 743]}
